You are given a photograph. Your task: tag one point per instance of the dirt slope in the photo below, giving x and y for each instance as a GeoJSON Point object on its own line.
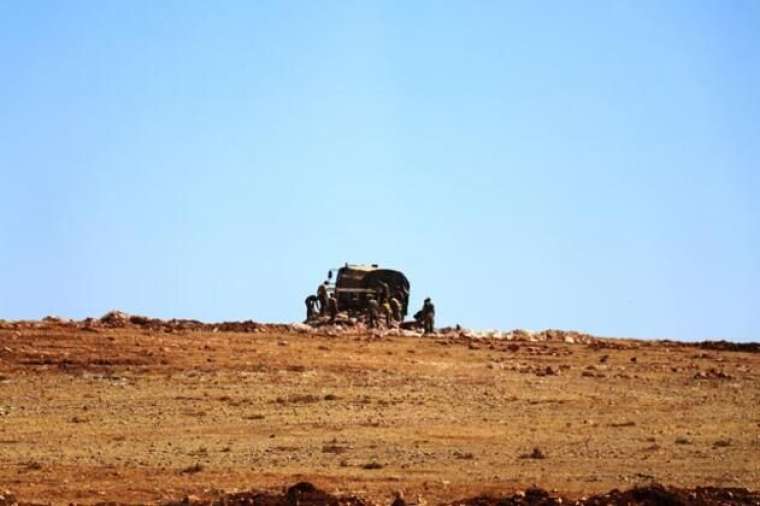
{"type": "Point", "coordinates": [146, 413]}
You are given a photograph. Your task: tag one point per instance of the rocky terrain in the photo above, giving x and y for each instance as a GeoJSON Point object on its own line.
{"type": "Point", "coordinates": [133, 410]}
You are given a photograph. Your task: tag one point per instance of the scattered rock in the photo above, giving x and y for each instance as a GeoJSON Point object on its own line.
{"type": "Point", "coordinates": [649, 495]}
{"type": "Point", "coordinates": [302, 328]}
{"type": "Point", "coordinates": [195, 468]}
{"type": "Point", "coordinates": [334, 449]}
{"type": "Point", "coordinates": [535, 454]}
{"type": "Point", "coordinates": [32, 465]}
{"type": "Point", "coordinates": [398, 499]}
{"type": "Point", "coordinates": [7, 498]}
{"type": "Point", "coordinates": [712, 373]}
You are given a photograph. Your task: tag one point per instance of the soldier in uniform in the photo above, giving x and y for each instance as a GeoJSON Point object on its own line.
{"type": "Point", "coordinates": [322, 296]}
{"type": "Point", "coordinates": [311, 307]}
{"type": "Point", "coordinates": [396, 309]}
{"type": "Point", "coordinates": [387, 313]}
{"type": "Point", "coordinates": [428, 316]}
{"type": "Point", "coordinates": [372, 310]}
{"type": "Point", "coordinates": [332, 307]}
{"type": "Point", "coordinates": [419, 318]}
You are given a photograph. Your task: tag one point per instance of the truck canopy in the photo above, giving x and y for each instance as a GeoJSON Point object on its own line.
{"type": "Point", "coordinates": [356, 283]}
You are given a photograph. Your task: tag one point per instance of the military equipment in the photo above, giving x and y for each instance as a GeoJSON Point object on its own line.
{"type": "Point", "coordinates": [355, 284]}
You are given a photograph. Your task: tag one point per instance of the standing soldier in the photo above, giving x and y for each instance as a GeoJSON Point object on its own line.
{"type": "Point", "coordinates": [387, 313]}
{"type": "Point", "coordinates": [311, 307]}
{"type": "Point", "coordinates": [396, 309]}
{"type": "Point", "coordinates": [332, 307]}
{"type": "Point", "coordinates": [322, 296]}
{"type": "Point", "coordinates": [372, 310]}
{"type": "Point", "coordinates": [428, 316]}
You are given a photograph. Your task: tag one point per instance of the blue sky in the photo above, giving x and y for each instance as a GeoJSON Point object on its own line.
{"type": "Point", "coordinates": [585, 165]}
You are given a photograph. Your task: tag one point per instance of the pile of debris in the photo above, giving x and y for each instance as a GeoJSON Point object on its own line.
{"type": "Point", "coordinates": [356, 327]}
{"type": "Point", "coordinates": [120, 320]}
{"type": "Point", "coordinates": [549, 335]}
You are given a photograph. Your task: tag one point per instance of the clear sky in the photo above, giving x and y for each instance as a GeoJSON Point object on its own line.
{"type": "Point", "coordinates": [571, 164]}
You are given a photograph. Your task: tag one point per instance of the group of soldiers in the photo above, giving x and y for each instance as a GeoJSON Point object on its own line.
{"type": "Point", "coordinates": [383, 307]}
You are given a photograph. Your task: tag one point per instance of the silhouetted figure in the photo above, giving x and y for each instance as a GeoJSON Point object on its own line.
{"type": "Point", "coordinates": [311, 307]}
{"type": "Point", "coordinates": [428, 316]}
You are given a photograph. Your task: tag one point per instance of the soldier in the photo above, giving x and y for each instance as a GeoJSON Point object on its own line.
{"type": "Point", "coordinates": [387, 313]}
{"type": "Point", "coordinates": [396, 309]}
{"type": "Point", "coordinates": [419, 318]}
{"type": "Point", "coordinates": [322, 296]}
{"type": "Point", "coordinates": [401, 294]}
{"type": "Point", "coordinates": [372, 310]}
{"type": "Point", "coordinates": [428, 316]}
{"type": "Point", "coordinates": [311, 307]}
{"type": "Point", "coordinates": [332, 307]}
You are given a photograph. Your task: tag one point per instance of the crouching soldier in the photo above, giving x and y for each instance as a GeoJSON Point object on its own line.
{"type": "Point", "coordinates": [332, 307]}
{"type": "Point", "coordinates": [311, 307]}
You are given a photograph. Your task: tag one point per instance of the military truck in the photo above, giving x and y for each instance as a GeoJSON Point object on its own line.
{"type": "Point", "coordinates": [355, 284]}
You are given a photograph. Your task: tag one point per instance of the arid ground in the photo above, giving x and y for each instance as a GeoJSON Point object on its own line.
{"type": "Point", "coordinates": [138, 414]}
